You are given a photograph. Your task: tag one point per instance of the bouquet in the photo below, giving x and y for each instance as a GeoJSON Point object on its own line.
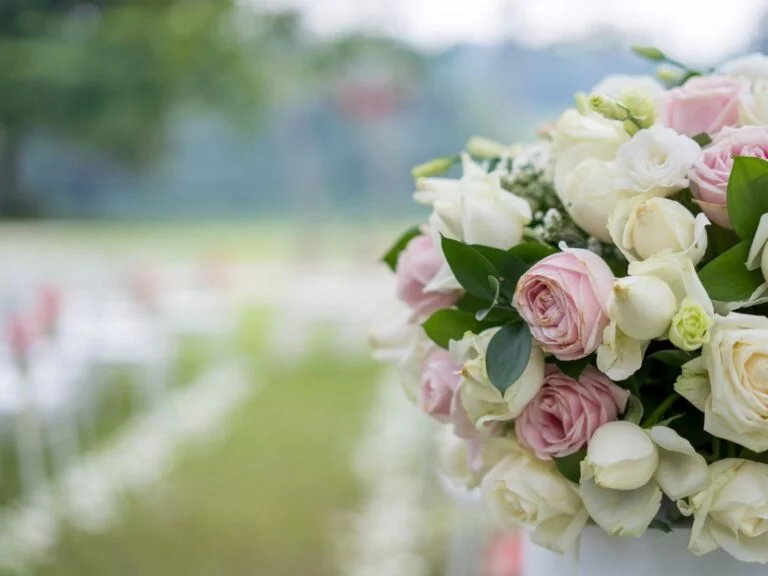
{"type": "Point", "coordinates": [588, 314]}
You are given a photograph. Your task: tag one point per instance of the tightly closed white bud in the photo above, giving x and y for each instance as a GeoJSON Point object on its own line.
{"type": "Point", "coordinates": [620, 456]}
{"type": "Point", "coordinates": [608, 107]}
{"type": "Point", "coordinates": [642, 306]}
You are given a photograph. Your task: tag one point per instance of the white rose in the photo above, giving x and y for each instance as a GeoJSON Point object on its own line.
{"type": "Point", "coordinates": [599, 136]}
{"type": "Point", "coordinates": [643, 227]}
{"type": "Point", "coordinates": [731, 512]}
{"type": "Point", "coordinates": [466, 462]}
{"type": "Point", "coordinates": [627, 469]}
{"type": "Point", "coordinates": [752, 67]}
{"type": "Point", "coordinates": [736, 359]}
{"type": "Point", "coordinates": [656, 159]}
{"type": "Point", "coordinates": [480, 398]}
{"type": "Point", "coordinates": [619, 356]}
{"type": "Point", "coordinates": [589, 193]}
{"type": "Point", "coordinates": [522, 491]}
{"type": "Point", "coordinates": [474, 210]}
{"type": "Point", "coordinates": [642, 306]}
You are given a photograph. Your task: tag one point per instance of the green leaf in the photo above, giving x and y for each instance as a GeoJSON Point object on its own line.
{"type": "Point", "coordinates": [747, 195]}
{"type": "Point", "coordinates": [532, 252]}
{"type": "Point", "coordinates": [449, 324]}
{"type": "Point", "coordinates": [507, 356]}
{"type": "Point", "coordinates": [391, 255]}
{"type": "Point", "coordinates": [483, 313]}
{"type": "Point", "coordinates": [498, 315]}
{"type": "Point", "coordinates": [509, 267]}
{"type": "Point", "coordinates": [671, 357]}
{"type": "Point", "coordinates": [470, 267]}
{"type": "Point", "coordinates": [727, 279]}
{"type": "Point", "coordinates": [574, 368]}
{"type": "Point", "coordinates": [570, 466]}
{"type": "Point", "coordinates": [702, 139]}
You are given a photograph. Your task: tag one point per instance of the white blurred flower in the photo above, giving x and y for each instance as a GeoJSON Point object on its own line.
{"type": "Point", "coordinates": [752, 67]}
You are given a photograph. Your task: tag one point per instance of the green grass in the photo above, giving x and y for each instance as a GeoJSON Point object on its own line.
{"type": "Point", "coordinates": [267, 501]}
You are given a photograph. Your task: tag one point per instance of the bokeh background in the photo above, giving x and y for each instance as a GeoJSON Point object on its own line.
{"type": "Point", "coordinates": [193, 196]}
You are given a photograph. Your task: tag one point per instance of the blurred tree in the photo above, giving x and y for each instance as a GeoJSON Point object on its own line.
{"type": "Point", "coordinates": [108, 73]}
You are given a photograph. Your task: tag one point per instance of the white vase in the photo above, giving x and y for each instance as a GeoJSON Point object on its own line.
{"type": "Point", "coordinates": [655, 554]}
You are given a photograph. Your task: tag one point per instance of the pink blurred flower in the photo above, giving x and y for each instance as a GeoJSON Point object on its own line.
{"type": "Point", "coordinates": [439, 383]}
{"type": "Point", "coordinates": [418, 264]}
{"type": "Point", "coordinates": [710, 173]}
{"type": "Point", "coordinates": [565, 413]}
{"type": "Point", "coordinates": [563, 299]}
{"type": "Point", "coordinates": [703, 104]}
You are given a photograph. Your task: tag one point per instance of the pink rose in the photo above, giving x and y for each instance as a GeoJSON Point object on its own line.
{"type": "Point", "coordinates": [563, 299]}
{"type": "Point", "coordinates": [439, 396]}
{"type": "Point", "coordinates": [439, 383]}
{"type": "Point", "coordinates": [418, 264]}
{"type": "Point", "coordinates": [562, 417]}
{"type": "Point", "coordinates": [703, 104]}
{"type": "Point", "coordinates": [710, 173]}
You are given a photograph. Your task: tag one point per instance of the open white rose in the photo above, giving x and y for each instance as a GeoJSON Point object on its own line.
{"type": "Point", "coordinates": [753, 109]}
{"type": "Point", "coordinates": [642, 306]}
{"type": "Point", "coordinates": [627, 469]}
{"type": "Point", "coordinates": [481, 399]}
{"type": "Point", "coordinates": [589, 193]}
{"type": "Point", "coordinates": [601, 136]}
{"type": "Point", "coordinates": [736, 392]}
{"type": "Point", "coordinates": [643, 227]}
{"type": "Point", "coordinates": [656, 159]}
{"type": "Point", "coordinates": [522, 491]}
{"type": "Point", "coordinates": [731, 512]}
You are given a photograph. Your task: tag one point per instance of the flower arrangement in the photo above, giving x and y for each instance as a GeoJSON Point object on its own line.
{"type": "Point", "coordinates": [588, 315]}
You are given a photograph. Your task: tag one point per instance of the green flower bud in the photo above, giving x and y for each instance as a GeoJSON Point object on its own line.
{"type": "Point", "coordinates": [434, 167]}
{"type": "Point", "coordinates": [485, 148]}
{"type": "Point", "coordinates": [608, 107]}
{"type": "Point", "coordinates": [649, 52]}
{"type": "Point", "coordinates": [582, 103]}
{"type": "Point", "coordinates": [690, 326]}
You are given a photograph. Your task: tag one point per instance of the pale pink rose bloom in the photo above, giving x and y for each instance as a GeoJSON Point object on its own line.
{"type": "Point", "coordinates": [563, 298]}
{"type": "Point", "coordinates": [417, 265]}
{"type": "Point", "coordinates": [565, 413]}
{"type": "Point", "coordinates": [439, 384]}
{"type": "Point", "coordinates": [703, 104]}
{"type": "Point", "coordinates": [710, 173]}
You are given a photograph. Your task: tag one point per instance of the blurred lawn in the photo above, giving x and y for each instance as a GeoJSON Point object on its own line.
{"type": "Point", "coordinates": [268, 500]}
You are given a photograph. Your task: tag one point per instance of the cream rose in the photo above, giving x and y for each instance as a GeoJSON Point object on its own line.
{"type": "Point", "coordinates": [735, 396]}
{"type": "Point", "coordinates": [522, 491]}
{"type": "Point", "coordinates": [481, 399]}
{"type": "Point", "coordinates": [466, 462]}
{"type": "Point", "coordinates": [731, 512]}
{"type": "Point", "coordinates": [643, 227]}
